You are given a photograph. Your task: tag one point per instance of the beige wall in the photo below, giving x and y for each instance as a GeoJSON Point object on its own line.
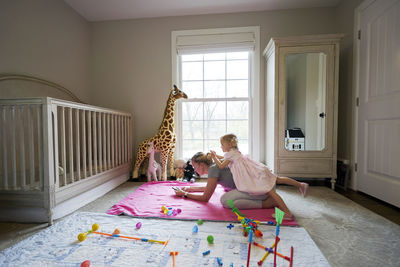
{"type": "Point", "coordinates": [47, 39]}
{"type": "Point", "coordinates": [132, 58]}
{"type": "Point", "coordinates": [127, 64]}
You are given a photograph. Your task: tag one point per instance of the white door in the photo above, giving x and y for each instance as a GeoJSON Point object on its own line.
{"type": "Point", "coordinates": [378, 154]}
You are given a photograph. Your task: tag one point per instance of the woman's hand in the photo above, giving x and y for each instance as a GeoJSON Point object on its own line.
{"type": "Point", "coordinates": [180, 193]}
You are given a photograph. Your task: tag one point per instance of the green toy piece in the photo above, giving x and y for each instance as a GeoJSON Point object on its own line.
{"type": "Point", "coordinates": [278, 216]}
{"type": "Point", "coordinates": [199, 222]}
{"type": "Point", "coordinates": [210, 239]}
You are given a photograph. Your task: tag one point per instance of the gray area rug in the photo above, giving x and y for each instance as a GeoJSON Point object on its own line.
{"type": "Point", "coordinates": [346, 233]}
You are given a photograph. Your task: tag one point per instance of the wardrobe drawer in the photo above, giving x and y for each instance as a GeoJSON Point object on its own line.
{"type": "Point", "coordinates": [300, 167]}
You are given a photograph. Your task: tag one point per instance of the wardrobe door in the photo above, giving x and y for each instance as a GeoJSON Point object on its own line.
{"type": "Point", "coordinates": [306, 102]}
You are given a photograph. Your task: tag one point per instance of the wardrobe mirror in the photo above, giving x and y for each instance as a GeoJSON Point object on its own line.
{"type": "Point", "coordinates": [305, 98]}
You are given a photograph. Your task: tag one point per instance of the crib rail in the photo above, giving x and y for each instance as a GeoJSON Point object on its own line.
{"type": "Point", "coordinates": [51, 146]}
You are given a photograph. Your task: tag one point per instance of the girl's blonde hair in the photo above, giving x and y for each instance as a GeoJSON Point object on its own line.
{"type": "Point", "coordinates": [201, 157]}
{"type": "Point", "coordinates": [231, 139]}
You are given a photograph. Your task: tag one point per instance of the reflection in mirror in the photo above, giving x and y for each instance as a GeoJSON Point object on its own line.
{"type": "Point", "coordinates": [305, 98]}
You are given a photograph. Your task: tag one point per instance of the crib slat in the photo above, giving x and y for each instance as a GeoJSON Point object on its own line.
{"type": "Point", "coordinates": [63, 147]}
{"type": "Point", "coordinates": [112, 141]}
{"type": "Point", "coordinates": [119, 141]}
{"type": "Point", "coordinates": [40, 149]}
{"type": "Point", "coordinates": [21, 146]}
{"type": "Point", "coordinates": [108, 142]}
{"type": "Point", "coordinates": [13, 148]}
{"type": "Point", "coordinates": [90, 161]}
{"type": "Point", "coordinates": [4, 150]}
{"type": "Point", "coordinates": [95, 142]}
{"type": "Point", "coordinates": [71, 147]}
{"type": "Point", "coordinates": [31, 149]}
{"type": "Point", "coordinates": [121, 152]}
{"type": "Point", "coordinates": [83, 121]}
{"type": "Point", "coordinates": [78, 149]}
{"type": "Point", "coordinates": [123, 140]}
{"type": "Point", "coordinates": [104, 142]}
{"type": "Point", "coordinates": [99, 144]}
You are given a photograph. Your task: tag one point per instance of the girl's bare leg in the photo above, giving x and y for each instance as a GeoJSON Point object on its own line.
{"type": "Point", "coordinates": [303, 187]}
{"type": "Point", "coordinates": [275, 200]}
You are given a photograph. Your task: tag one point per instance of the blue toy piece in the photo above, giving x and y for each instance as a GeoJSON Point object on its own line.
{"type": "Point", "coordinates": [195, 229]}
{"type": "Point", "coordinates": [230, 226]}
{"type": "Point", "coordinates": [219, 260]}
{"type": "Point", "coordinates": [206, 252]}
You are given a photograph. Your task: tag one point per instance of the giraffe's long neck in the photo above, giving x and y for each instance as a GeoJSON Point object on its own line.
{"type": "Point", "coordinates": [151, 158]}
{"type": "Point", "coordinates": [168, 120]}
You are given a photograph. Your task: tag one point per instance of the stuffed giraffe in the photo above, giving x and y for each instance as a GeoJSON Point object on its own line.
{"type": "Point", "coordinates": [154, 168]}
{"type": "Point", "coordinates": [164, 140]}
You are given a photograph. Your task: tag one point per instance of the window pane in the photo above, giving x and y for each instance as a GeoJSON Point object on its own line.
{"type": "Point", "coordinates": [238, 128]}
{"type": "Point", "coordinates": [237, 88]}
{"type": "Point", "coordinates": [213, 144]}
{"type": "Point", "coordinates": [214, 110]}
{"type": "Point", "coordinates": [192, 71]}
{"type": "Point", "coordinates": [244, 146]}
{"type": "Point", "coordinates": [215, 89]}
{"type": "Point", "coordinates": [237, 110]}
{"type": "Point", "coordinates": [192, 110]}
{"type": "Point", "coordinates": [214, 70]}
{"type": "Point", "coordinates": [191, 147]}
{"type": "Point", "coordinates": [237, 69]}
{"type": "Point", "coordinates": [192, 130]}
{"type": "Point", "coordinates": [193, 89]}
{"type": "Point", "coordinates": [214, 129]}
{"type": "Point", "coordinates": [237, 55]}
{"type": "Point", "coordinates": [194, 57]}
{"type": "Point", "coordinates": [214, 56]}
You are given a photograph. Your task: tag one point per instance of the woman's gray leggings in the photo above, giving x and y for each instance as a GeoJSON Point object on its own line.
{"type": "Point", "coordinates": [243, 200]}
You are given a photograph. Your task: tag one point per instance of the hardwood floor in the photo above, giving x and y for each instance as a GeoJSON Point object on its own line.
{"type": "Point", "coordinates": [380, 207]}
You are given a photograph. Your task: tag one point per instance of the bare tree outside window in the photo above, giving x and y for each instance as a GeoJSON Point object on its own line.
{"type": "Point", "coordinates": [218, 88]}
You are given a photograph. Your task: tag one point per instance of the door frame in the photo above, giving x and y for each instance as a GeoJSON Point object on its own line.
{"type": "Point", "coordinates": [356, 91]}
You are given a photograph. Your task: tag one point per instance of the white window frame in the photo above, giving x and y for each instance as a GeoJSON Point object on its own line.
{"type": "Point", "coordinates": [254, 80]}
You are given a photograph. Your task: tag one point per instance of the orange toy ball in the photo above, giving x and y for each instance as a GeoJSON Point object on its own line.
{"type": "Point", "coordinates": [116, 232]}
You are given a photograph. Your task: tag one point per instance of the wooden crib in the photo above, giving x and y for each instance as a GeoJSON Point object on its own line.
{"type": "Point", "coordinates": [58, 155]}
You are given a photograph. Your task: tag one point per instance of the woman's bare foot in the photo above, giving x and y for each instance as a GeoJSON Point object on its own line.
{"type": "Point", "coordinates": [303, 189]}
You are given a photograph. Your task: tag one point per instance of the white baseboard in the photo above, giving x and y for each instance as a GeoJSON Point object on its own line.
{"type": "Point", "coordinates": [77, 202]}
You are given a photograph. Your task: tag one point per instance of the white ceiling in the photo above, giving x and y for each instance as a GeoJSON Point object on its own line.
{"type": "Point", "coordinates": [100, 10]}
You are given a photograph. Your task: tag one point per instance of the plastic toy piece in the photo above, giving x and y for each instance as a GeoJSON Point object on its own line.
{"type": "Point", "coordinates": [199, 222]}
{"type": "Point", "coordinates": [82, 236]}
{"type": "Point", "coordinates": [134, 238]}
{"type": "Point", "coordinates": [270, 250]}
{"type": "Point", "coordinates": [116, 231]}
{"type": "Point", "coordinates": [278, 217]}
{"type": "Point", "coordinates": [95, 227]}
{"type": "Point", "coordinates": [230, 226]}
{"type": "Point", "coordinates": [173, 254]}
{"type": "Point", "coordinates": [210, 239]}
{"type": "Point", "coordinates": [138, 225]}
{"type": "Point", "coordinates": [195, 229]}
{"type": "Point", "coordinates": [206, 252]}
{"type": "Point", "coordinates": [219, 260]}
{"type": "Point", "coordinates": [86, 263]}
{"type": "Point", "coordinates": [248, 251]}
{"type": "Point", "coordinates": [267, 253]}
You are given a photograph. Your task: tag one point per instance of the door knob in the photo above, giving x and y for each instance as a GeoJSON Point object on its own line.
{"type": "Point", "coordinates": [322, 115]}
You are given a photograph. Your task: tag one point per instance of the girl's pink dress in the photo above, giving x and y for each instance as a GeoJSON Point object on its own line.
{"type": "Point", "coordinates": [249, 176]}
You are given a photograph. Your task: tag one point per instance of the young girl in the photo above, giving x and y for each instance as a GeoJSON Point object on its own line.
{"type": "Point", "coordinates": [250, 176]}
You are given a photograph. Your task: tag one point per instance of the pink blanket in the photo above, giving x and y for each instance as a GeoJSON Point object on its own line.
{"type": "Point", "coordinates": [146, 201]}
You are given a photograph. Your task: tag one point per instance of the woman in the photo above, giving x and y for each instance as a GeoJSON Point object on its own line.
{"type": "Point", "coordinates": [202, 164]}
